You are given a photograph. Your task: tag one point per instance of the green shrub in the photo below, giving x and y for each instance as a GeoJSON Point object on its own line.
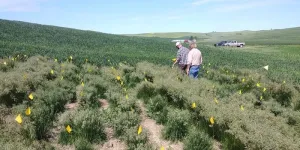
{"type": "Point", "coordinates": [135, 141]}
{"type": "Point", "coordinates": [157, 108]}
{"type": "Point", "coordinates": [177, 125]}
{"type": "Point", "coordinates": [85, 124]}
{"type": "Point", "coordinates": [197, 140]}
{"type": "Point", "coordinates": [146, 90]}
{"type": "Point", "coordinates": [83, 144]}
{"type": "Point", "coordinates": [124, 121]}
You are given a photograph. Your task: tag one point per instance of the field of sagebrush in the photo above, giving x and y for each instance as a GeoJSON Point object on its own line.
{"type": "Point", "coordinates": [51, 104]}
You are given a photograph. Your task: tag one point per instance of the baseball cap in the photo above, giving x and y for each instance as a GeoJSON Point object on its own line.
{"type": "Point", "coordinates": [178, 43]}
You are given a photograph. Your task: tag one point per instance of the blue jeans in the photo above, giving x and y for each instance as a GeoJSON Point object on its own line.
{"type": "Point", "coordinates": [194, 71]}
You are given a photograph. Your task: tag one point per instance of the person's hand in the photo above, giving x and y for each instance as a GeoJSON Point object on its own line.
{"type": "Point", "coordinates": [187, 71]}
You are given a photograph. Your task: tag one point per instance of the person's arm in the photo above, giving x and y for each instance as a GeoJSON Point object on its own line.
{"type": "Point", "coordinates": [178, 58]}
{"type": "Point", "coordinates": [189, 63]}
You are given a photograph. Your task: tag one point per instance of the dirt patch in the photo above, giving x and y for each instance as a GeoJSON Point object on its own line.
{"type": "Point", "coordinates": [104, 103]}
{"type": "Point", "coordinates": [112, 143]}
{"type": "Point", "coordinates": [216, 145]}
{"type": "Point", "coordinates": [72, 105]}
{"type": "Point", "coordinates": [155, 132]}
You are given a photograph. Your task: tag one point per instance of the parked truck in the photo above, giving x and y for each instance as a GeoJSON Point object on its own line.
{"type": "Point", "coordinates": [235, 44]}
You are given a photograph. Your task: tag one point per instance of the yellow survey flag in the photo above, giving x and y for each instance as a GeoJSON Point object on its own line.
{"type": "Point", "coordinates": [194, 105]}
{"type": "Point", "coordinates": [122, 83]}
{"type": "Point", "coordinates": [174, 59]}
{"type": "Point", "coordinates": [61, 78]}
{"type": "Point", "coordinates": [82, 84]}
{"type": "Point", "coordinates": [28, 111]}
{"type": "Point", "coordinates": [30, 96]}
{"type": "Point", "coordinates": [69, 129]}
{"type": "Point", "coordinates": [216, 101]}
{"type": "Point", "coordinates": [4, 63]}
{"type": "Point", "coordinates": [261, 97]}
{"type": "Point", "coordinates": [283, 82]}
{"type": "Point", "coordinates": [126, 96]}
{"type": "Point", "coordinates": [55, 60]}
{"type": "Point", "coordinates": [162, 148]}
{"type": "Point", "coordinates": [212, 120]}
{"type": "Point", "coordinates": [208, 64]}
{"type": "Point", "coordinates": [264, 90]}
{"type": "Point", "coordinates": [203, 66]}
{"type": "Point", "coordinates": [71, 57]}
{"type": "Point", "coordinates": [258, 84]}
{"type": "Point", "coordinates": [19, 119]}
{"type": "Point", "coordinates": [52, 72]}
{"type": "Point", "coordinates": [145, 79]}
{"type": "Point", "coordinates": [240, 92]}
{"type": "Point", "coordinates": [266, 67]}
{"type": "Point", "coordinates": [81, 93]}
{"type": "Point", "coordinates": [243, 80]}
{"type": "Point", "coordinates": [86, 60]}
{"type": "Point", "coordinates": [242, 107]}
{"type": "Point", "coordinates": [118, 78]}
{"type": "Point", "coordinates": [207, 71]}
{"type": "Point", "coordinates": [140, 130]}
{"type": "Point", "coordinates": [125, 89]}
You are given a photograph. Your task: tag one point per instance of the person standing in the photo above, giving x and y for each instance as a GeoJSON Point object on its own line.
{"type": "Point", "coordinates": [194, 61]}
{"type": "Point", "coordinates": [182, 55]}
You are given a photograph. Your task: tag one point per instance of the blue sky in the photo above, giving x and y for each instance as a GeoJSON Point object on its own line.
{"type": "Point", "coordinates": [137, 16]}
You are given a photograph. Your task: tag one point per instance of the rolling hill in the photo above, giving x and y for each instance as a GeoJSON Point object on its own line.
{"type": "Point", "coordinates": [31, 39]}
{"type": "Point", "coordinates": [263, 37]}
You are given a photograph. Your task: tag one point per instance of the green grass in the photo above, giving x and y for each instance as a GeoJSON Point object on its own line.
{"type": "Point", "coordinates": [263, 37]}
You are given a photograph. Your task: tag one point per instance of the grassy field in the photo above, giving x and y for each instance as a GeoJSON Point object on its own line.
{"type": "Point", "coordinates": [120, 88]}
{"type": "Point", "coordinates": [288, 36]}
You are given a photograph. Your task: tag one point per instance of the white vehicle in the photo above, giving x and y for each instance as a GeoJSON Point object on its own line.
{"type": "Point", "coordinates": [235, 44]}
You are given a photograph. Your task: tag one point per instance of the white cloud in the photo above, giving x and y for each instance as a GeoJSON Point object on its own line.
{"type": "Point", "coordinates": [20, 5]}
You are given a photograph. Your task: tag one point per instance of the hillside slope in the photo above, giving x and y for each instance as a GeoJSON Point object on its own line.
{"type": "Point", "coordinates": [21, 37]}
{"type": "Point", "coordinates": [263, 37]}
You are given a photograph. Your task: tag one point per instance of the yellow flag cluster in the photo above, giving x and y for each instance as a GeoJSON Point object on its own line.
{"type": "Point", "coordinates": [194, 105]}
{"type": "Point", "coordinates": [68, 129]}
{"type": "Point", "coordinates": [140, 130]}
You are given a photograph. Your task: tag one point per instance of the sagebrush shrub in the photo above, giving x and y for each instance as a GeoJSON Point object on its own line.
{"type": "Point", "coordinates": [197, 140]}
{"type": "Point", "coordinates": [86, 124]}
{"type": "Point", "coordinates": [177, 125]}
